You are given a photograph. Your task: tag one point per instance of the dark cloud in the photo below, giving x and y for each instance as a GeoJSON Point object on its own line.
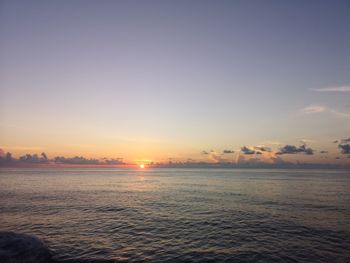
{"type": "Point", "coordinates": [75, 160]}
{"type": "Point", "coordinates": [205, 152]}
{"type": "Point", "coordinates": [345, 148]}
{"type": "Point", "coordinates": [291, 149]}
{"type": "Point", "coordinates": [5, 158]}
{"type": "Point", "coordinates": [32, 159]}
{"type": "Point", "coordinates": [80, 160]}
{"type": "Point", "coordinates": [44, 156]}
{"type": "Point", "coordinates": [114, 161]}
{"type": "Point", "coordinates": [29, 158]}
{"type": "Point", "coordinates": [256, 150]}
{"type": "Point", "coordinates": [228, 151]}
{"type": "Point", "coordinates": [262, 148]}
{"type": "Point", "coordinates": [247, 151]}
{"type": "Point", "coordinates": [323, 152]}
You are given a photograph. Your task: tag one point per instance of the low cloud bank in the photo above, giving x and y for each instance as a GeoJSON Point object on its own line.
{"type": "Point", "coordinates": [28, 158]}
{"type": "Point", "coordinates": [7, 159]}
{"type": "Point", "coordinates": [246, 156]}
{"type": "Point", "coordinates": [75, 160]}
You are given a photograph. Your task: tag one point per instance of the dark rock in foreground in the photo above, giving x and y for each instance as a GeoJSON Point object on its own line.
{"type": "Point", "coordinates": [22, 248]}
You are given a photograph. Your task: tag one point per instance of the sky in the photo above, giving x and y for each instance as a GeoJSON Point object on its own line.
{"type": "Point", "coordinates": [153, 80]}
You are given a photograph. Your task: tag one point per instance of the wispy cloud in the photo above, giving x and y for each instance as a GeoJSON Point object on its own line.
{"type": "Point", "coordinates": [305, 141]}
{"type": "Point", "coordinates": [312, 109]}
{"type": "Point", "coordinates": [271, 143]}
{"type": "Point", "coordinates": [333, 89]}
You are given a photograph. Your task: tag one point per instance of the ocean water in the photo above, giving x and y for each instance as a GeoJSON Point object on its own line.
{"type": "Point", "coordinates": [181, 215]}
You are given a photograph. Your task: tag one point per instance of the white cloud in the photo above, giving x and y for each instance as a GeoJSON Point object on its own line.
{"type": "Point", "coordinates": [313, 109]}
{"type": "Point", "coordinates": [318, 109]}
{"type": "Point", "coordinates": [305, 141]}
{"type": "Point", "coordinates": [271, 143]}
{"type": "Point", "coordinates": [334, 89]}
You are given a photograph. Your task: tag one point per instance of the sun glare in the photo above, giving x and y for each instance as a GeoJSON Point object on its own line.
{"type": "Point", "coordinates": [142, 166]}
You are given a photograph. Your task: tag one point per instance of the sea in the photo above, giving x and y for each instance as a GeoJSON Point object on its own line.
{"type": "Point", "coordinates": [180, 215]}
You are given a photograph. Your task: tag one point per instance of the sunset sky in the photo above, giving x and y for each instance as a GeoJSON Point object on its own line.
{"type": "Point", "coordinates": [152, 80]}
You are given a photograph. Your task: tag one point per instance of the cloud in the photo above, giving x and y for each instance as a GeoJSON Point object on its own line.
{"type": "Point", "coordinates": [291, 149]}
{"type": "Point", "coordinates": [75, 160]}
{"type": "Point", "coordinates": [255, 150]}
{"type": "Point", "coordinates": [334, 89]}
{"type": "Point", "coordinates": [5, 157]}
{"type": "Point", "coordinates": [44, 156]}
{"type": "Point", "coordinates": [28, 158]}
{"type": "Point", "coordinates": [313, 109]}
{"type": "Point", "coordinates": [114, 161]}
{"type": "Point", "coordinates": [262, 148]}
{"type": "Point", "coordinates": [247, 151]}
{"type": "Point", "coordinates": [213, 155]}
{"type": "Point", "coordinates": [34, 159]}
{"type": "Point", "coordinates": [345, 140]}
{"type": "Point", "coordinates": [344, 146]}
{"type": "Point", "coordinates": [271, 142]}
{"type": "Point", "coordinates": [216, 157]}
{"type": "Point", "coordinates": [305, 141]}
{"type": "Point", "coordinates": [228, 151]}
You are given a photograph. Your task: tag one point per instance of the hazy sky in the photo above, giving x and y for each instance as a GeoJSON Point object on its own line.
{"type": "Point", "coordinates": [148, 80]}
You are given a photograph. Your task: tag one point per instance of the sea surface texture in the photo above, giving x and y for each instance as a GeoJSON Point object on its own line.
{"type": "Point", "coordinates": [181, 215]}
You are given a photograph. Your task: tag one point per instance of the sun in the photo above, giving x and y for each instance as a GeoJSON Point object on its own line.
{"type": "Point", "coordinates": [142, 166]}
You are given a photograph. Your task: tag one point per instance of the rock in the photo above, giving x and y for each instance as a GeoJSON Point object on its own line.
{"type": "Point", "coordinates": [22, 248]}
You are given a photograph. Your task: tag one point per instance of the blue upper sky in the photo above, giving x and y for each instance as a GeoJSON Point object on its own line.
{"type": "Point", "coordinates": [157, 79]}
